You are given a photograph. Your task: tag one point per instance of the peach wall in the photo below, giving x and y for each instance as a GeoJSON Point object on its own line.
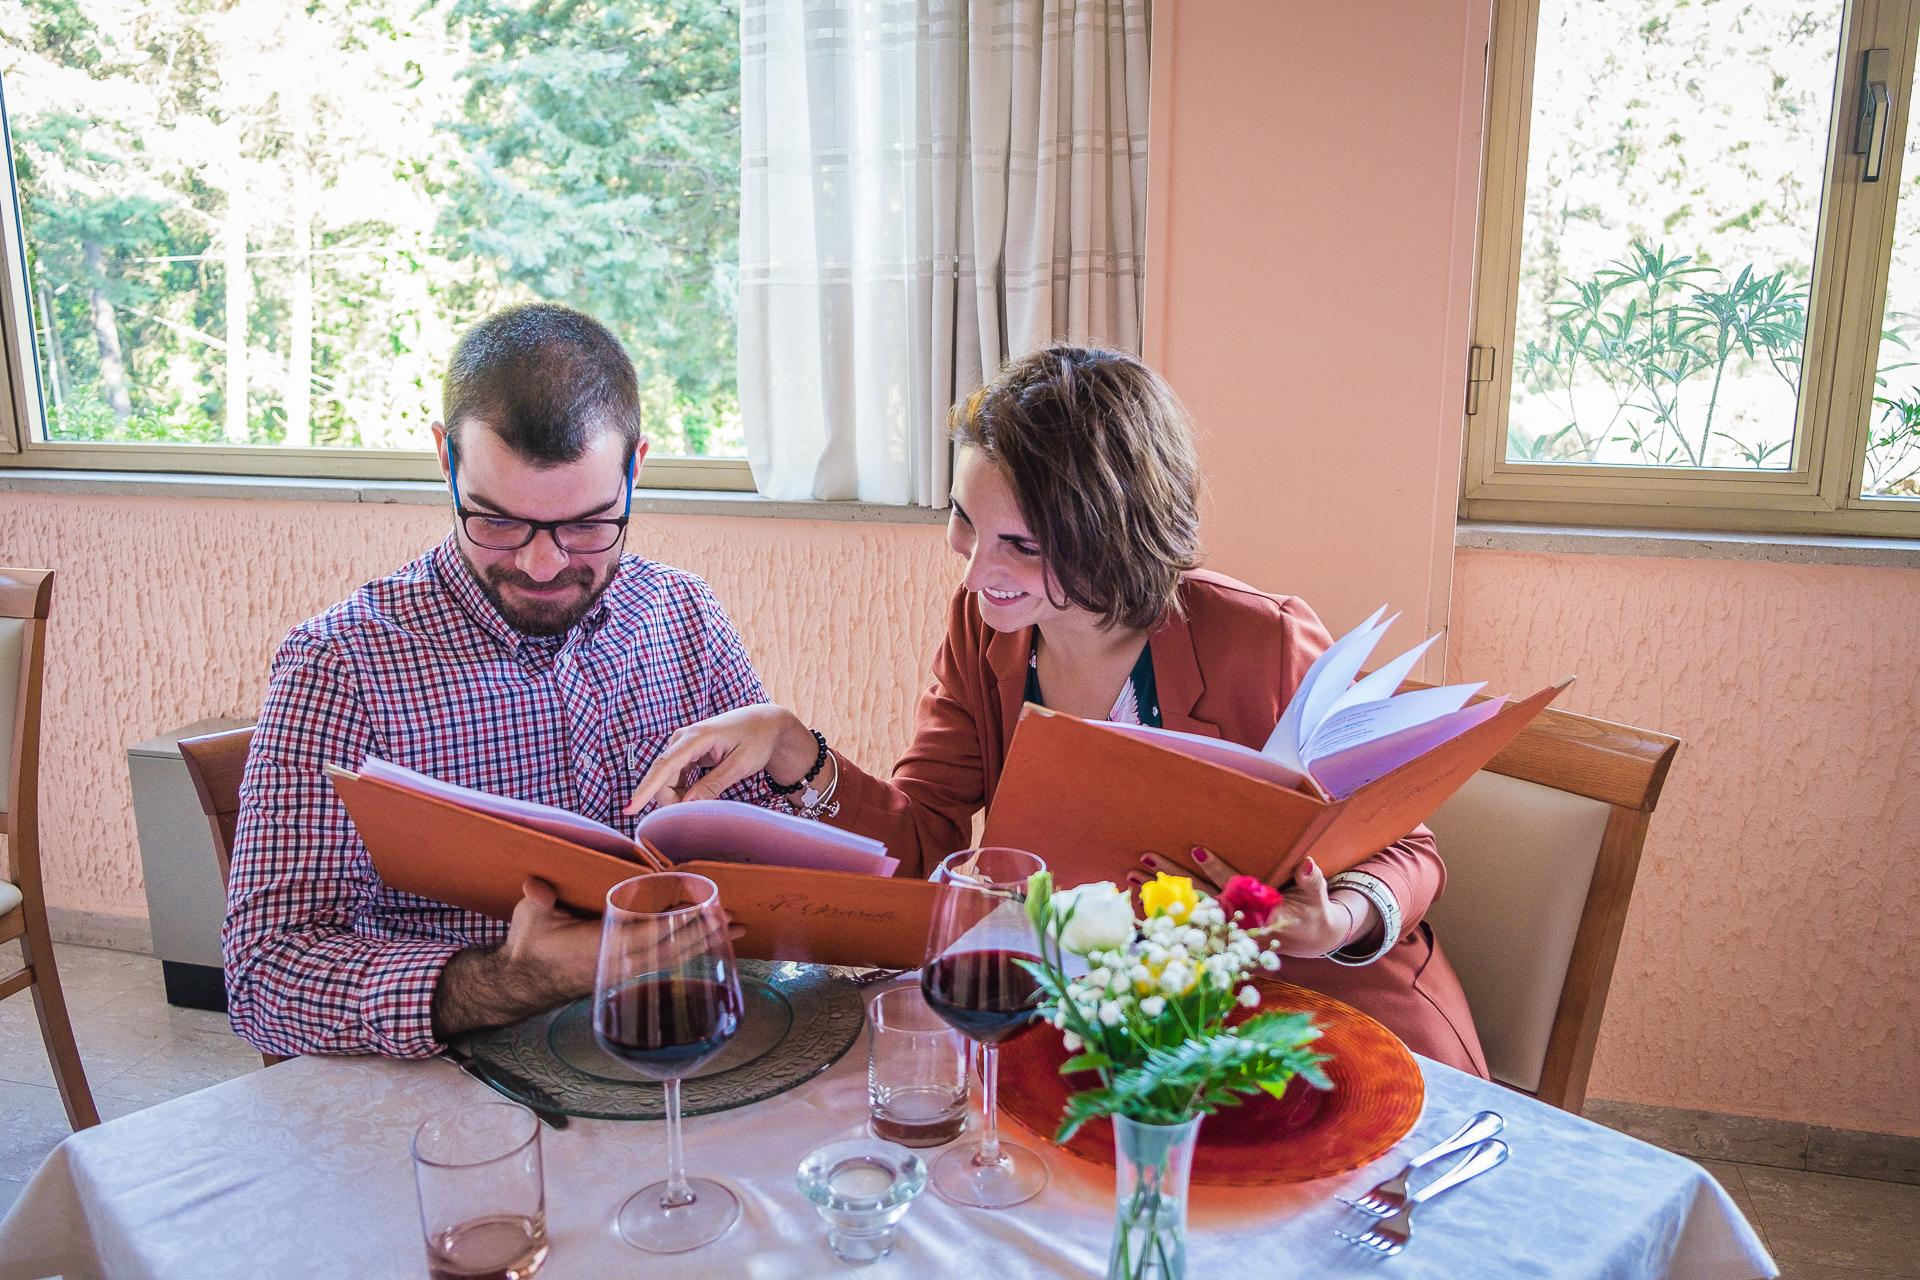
{"type": "Point", "coordinates": [1314, 178]}
{"type": "Point", "coordinates": [1770, 964]}
{"type": "Point", "coordinates": [166, 611]}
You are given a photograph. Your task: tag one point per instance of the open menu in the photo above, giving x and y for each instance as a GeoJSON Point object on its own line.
{"type": "Point", "coordinates": [1352, 766]}
{"type": "Point", "coordinates": [715, 830]}
{"type": "Point", "coordinates": [800, 890]}
{"type": "Point", "coordinates": [1337, 733]}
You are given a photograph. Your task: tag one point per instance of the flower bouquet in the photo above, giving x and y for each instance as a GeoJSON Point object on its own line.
{"type": "Point", "coordinates": [1144, 1002]}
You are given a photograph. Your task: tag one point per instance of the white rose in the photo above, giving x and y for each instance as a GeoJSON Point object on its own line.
{"type": "Point", "coordinates": [1102, 918]}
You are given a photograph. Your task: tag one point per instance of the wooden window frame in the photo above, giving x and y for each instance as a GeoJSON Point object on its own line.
{"type": "Point", "coordinates": [1819, 492]}
{"type": "Point", "coordinates": [23, 441]}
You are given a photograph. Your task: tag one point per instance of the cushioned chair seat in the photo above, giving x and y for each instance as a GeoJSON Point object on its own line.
{"type": "Point", "coordinates": [9, 897]}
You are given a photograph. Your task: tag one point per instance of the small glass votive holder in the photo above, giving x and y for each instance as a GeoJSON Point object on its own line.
{"type": "Point", "coordinates": [483, 1197]}
{"type": "Point", "coordinates": [862, 1189]}
{"type": "Point", "coordinates": [916, 1071]}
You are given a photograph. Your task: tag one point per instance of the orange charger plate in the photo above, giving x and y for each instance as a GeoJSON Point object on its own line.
{"type": "Point", "coordinates": [1305, 1134]}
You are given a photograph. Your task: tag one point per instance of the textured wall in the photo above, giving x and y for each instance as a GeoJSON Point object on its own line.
{"type": "Point", "coordinates": [1770, 964]}
{"type": "Point", "coordinates": [166, 611]}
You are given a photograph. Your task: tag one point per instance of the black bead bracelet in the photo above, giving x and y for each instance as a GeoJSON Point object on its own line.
{"type": "Point", "coordinates": [819, 763]}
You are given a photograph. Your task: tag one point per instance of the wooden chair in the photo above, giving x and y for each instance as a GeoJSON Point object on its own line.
{"type": "Point", "coordinates": [1541, 848]}
{"type": "Point", "coordinates": [215, 763]}
{"type": "Point", "coordinates": [24, 597]}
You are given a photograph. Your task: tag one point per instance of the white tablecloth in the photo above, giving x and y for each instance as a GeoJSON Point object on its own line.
{"type": "Point", "coordinates": [302, 1170]}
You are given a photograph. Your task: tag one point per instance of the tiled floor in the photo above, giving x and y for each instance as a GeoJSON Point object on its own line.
{"type": "Point", "coordinates": [139, 1051]}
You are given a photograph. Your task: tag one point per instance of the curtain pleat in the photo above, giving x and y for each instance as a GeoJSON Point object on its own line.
{"type": "Point", "coordinates": [926, 189]}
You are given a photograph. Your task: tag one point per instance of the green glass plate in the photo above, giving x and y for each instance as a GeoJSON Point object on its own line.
{"type": "Point", "coordinates": [798, 1020]}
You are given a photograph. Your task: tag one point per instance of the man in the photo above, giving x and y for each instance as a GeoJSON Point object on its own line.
{"type": "Point", "coordinates": [526, 655]}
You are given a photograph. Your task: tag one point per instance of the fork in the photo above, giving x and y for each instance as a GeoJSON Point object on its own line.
{"type": "Point", "coordinates": [1391, 1196]}
{"type": "Point", "coordinates": [1389, 1236]}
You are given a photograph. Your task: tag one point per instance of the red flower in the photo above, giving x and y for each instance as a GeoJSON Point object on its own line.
{"type": "Point", "coordinates": [1250, 900]}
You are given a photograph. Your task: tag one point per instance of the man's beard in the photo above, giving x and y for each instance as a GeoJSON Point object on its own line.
{"type": "Point", "coordinates": [543, 618]}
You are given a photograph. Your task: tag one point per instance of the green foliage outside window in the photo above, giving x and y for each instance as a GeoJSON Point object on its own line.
{"type": "Point", "coordinates": [1662, 333]}
{"type": "Point", "coordinates": [342, 186]}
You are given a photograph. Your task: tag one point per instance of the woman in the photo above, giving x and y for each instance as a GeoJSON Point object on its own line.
{"type": "Point", "coordinates": [1075, 508]}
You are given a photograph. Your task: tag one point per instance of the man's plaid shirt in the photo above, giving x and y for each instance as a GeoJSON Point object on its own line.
{"type": "Point", "coordinates": [419, 668]}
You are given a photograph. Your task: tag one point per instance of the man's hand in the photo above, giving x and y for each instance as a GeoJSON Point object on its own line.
{"type": "Point", "coordinates": [548, 959]}
{"type": "Point", "coordinates": [730, 747]}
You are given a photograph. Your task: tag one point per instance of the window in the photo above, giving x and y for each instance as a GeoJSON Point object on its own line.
{"type": "Point", "coordinates": [245, 237]}
{"type": "Point", "coordinates": [1698, 302]}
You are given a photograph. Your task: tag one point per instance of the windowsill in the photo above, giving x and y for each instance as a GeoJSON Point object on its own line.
{"type": "Point", "coordinates": [1770, 548]}
{"type": "Point", "coordinates": [425, 493]}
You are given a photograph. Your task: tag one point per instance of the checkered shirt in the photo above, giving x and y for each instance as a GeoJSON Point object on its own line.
{"type": "Point", "coordinates": [419, 668]}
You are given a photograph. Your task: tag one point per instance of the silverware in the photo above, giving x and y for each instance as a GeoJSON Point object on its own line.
{"type": "Point", "coordinates": [504, 1080]}
{"type": "Point", "coordinates": [867, 977]}
{"type": "Point", "coordinates": [1389, 1236]}
{"type": "Point", "coordinates": [1391, 1196]}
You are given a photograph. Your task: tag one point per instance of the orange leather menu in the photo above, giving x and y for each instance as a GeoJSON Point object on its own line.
{"type": "Point", "coordinates": [1090, 800]}
{"type": "Point", "coordinates": [427, 846]}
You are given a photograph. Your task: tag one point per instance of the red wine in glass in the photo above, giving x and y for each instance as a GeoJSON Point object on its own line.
{"type": "Point", "coordinates": [973, 980]}
{"type": "Point", "coordinates": [667, 1027]}
{"type": "Point", "coordinates": [666, 998]}
{"type": "Point", "coordinates": [984, 995]}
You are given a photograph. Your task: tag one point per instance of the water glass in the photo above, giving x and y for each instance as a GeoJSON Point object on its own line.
{"type": "Point", "coordinates": [916, 1071]}
{"type": "Point", "coordinates": [483, 1198]}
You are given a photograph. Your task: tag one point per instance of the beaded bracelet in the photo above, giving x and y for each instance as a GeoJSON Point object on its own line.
{"type": "Point", "coordinates": [819, 763]}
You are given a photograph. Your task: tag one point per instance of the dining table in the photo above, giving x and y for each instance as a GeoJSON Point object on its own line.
{"type": "Point", "coordinates": [303, 1169]}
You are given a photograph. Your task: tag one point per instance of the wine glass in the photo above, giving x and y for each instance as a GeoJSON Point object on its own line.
{"type": "Point", "coordinates": [974, 981]}
{"type": "Point", "coordinates": [666, 999]}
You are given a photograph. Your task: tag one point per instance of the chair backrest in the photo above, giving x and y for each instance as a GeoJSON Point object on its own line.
{"type": "Point", "coordinates": [1541, 848]}
{"type": "Point", "coordinates": [25, 596]}
{"type": "Point", "coordinates": [13, 669]}
{"type": "Point", "coordinates": [215, 763]}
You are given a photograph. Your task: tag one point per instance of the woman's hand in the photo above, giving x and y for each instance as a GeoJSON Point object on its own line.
{"type": "Point", "coordinates": [1309, 921]}
{"type": "Point", "coordinates": [729, 747]}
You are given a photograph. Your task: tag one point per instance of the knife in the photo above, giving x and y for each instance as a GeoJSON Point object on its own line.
{"type": "Point", "coordinates": [507, 1081]}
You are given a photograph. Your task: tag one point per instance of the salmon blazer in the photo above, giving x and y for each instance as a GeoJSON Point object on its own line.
{"type": "Point", "coordinates": [1224, 667]}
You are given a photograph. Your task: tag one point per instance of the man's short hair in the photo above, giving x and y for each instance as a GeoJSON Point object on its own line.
{"type": "Point", "coordinates": [547, 379]}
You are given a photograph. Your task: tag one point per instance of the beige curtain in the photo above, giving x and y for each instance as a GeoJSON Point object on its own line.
{"type": "Point", "coordinates": [926, 189]}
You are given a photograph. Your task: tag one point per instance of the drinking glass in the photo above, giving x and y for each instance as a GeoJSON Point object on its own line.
{"type": "Point", "coordinates": [666, 999]}
{"type": "Point", "coordinates": [483, 1200]}
{"type": "Point", "coordinates": [974, 981]}
{"type": "Point", "coordinates": [916, 1071]}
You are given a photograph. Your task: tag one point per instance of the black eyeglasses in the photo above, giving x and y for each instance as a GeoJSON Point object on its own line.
{"type": "Point", "coordinates": [509, 533]}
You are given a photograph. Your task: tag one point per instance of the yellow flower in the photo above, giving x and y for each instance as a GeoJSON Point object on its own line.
{"type": "Point", "coordinates": [1170, 896]}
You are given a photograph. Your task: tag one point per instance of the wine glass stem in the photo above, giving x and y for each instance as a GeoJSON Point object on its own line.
{"type": "Point", "coordinates": [678, 1192]}
{"type": "Point", "coordinates": [990, 1104]}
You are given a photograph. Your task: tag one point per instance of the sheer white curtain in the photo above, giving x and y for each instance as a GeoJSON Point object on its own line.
{"type": "Point", "coordinates": [927, 188]}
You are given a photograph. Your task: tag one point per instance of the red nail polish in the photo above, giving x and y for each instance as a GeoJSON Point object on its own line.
{"type": "Point", "coordinates": [1311, 869]}
{"type": "Point", "coordinates": [1199, 854]}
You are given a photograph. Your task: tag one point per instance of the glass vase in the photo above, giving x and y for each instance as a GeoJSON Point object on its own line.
{"type": "Point", "coordinates": [1152, 1162]}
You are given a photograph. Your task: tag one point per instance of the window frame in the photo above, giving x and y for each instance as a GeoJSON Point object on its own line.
{"type": "Point", "coordinates": [23, 440]}
{"type": "Point", "coordinates": [1819, 491]}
